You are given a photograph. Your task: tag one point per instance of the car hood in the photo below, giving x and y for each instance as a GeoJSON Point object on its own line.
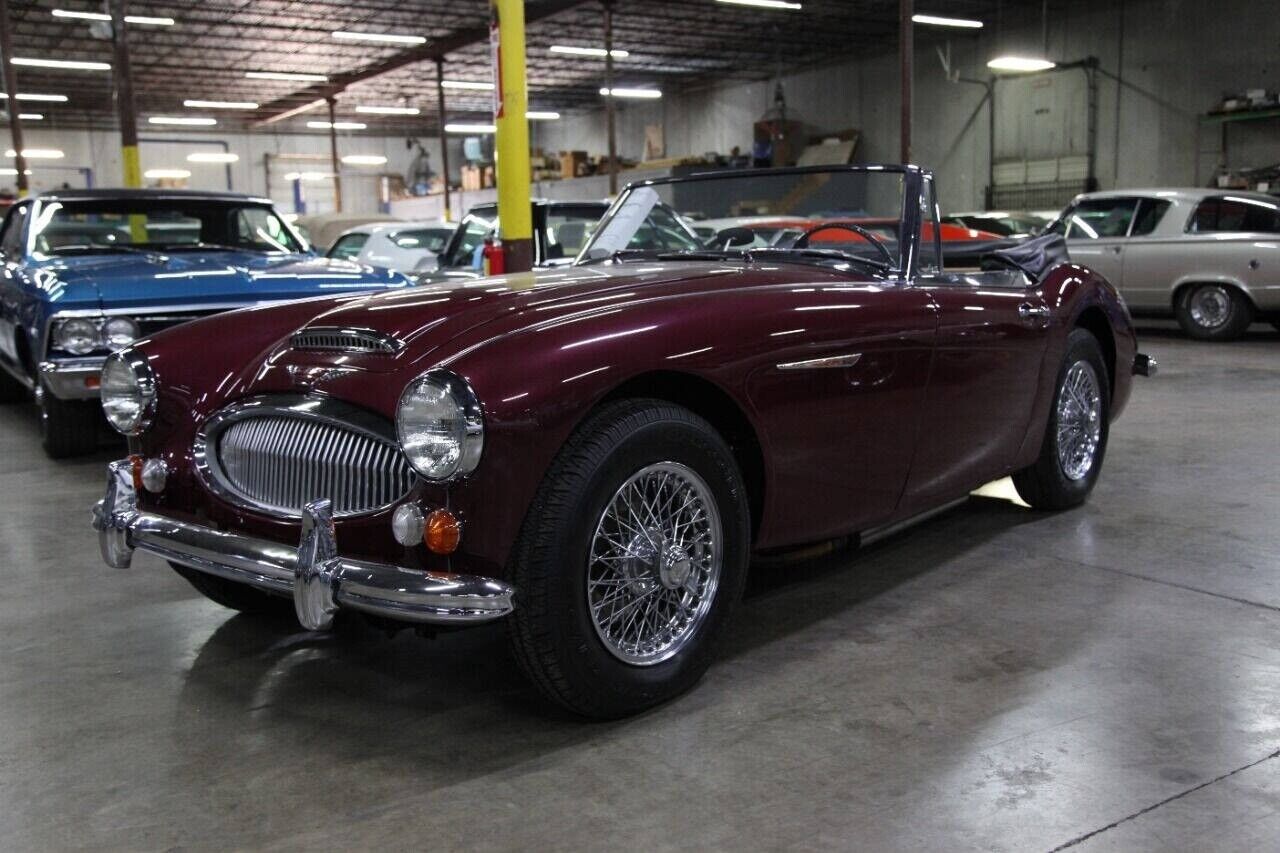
{"type": "Point", "coordinates": [426, 317]}
{"type": "Point", "coordinates": [215, 277]}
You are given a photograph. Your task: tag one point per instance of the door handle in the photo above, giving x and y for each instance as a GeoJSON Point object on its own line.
{"type": "Point", "coordinates": [1033, 315]}
{"type": "Point", "coordinates": [1115, 250]}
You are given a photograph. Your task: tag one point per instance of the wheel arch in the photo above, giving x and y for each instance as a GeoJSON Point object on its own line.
{"type": "Point", "coordinates": [1182, 286]}
{"type": "Point", "coordinates": [712, 403]}
{"type": "Point", "coordinates": [1093, 319]}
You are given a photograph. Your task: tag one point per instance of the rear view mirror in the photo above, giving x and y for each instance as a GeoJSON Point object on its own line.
{"type": "Point", "coordinates": [730, 237]}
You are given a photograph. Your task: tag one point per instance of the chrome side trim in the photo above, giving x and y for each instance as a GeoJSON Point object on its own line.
{"type": "Point", "coordinates": [821, 363]}
{"type": "Point", "coordinates": [319, 579]}
{"type": "Point", "coordinates": [340, 339]}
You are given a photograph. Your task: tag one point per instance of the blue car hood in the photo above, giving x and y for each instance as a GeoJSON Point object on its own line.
{"type": "Point", "coordinates": [213, 278]}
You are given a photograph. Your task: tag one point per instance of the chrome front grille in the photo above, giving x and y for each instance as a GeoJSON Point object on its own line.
{"type": "Point", "coordinates": [280, 458]}
{"type": "Point", "coordinates": [336, 339]}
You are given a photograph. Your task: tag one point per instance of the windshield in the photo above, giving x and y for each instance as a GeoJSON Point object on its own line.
{"type": "Point", "coordinates": [853, 213]}
{"type": "Point", "coordinates": [107, 225]}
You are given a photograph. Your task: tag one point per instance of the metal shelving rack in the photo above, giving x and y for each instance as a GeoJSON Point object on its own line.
{"type": "Point", "coordinates": [1224, 120]}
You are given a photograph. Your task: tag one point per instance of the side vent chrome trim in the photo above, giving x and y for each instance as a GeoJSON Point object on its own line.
{"type": "Point", "coordinates": [340, 339]}
{"type": "Point", "coordinates": [819, 363]}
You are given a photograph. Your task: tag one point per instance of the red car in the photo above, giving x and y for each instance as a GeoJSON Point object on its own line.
{"type": "Point", "coordinates": [593, 453]}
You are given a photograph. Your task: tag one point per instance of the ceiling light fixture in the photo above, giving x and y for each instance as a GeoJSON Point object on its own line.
{"type": "Point", "coordinates": [175, 174]}
{"type": "Point", "coordinates": [337, 125]}
{"type": "Point", "coordinates": [29, 96]}
{"type": "Point", "coordinates": [37, 153]}
{"type": "Point", "coordinates": [60, 64]}
{"type": "Point", "coordinates": [1020, 64]}
{"type": "Point", "coordinates": [384, 38]}
{"type": "Point", "coordinates": [631, 93]}
{"type": "Point", "coordinates": [466, 84]}
{"type": "Point", "coordinates": [14, 172]}
{"type": "Point", "coordinates": [469, 127]}
{"type": "Point", "coordinates": [307, 176]}
{"type": "Point", "coordinates": [146, 20]}
{"type": "Point", "coordinates": [193, 121]}
{"type": "Point", "coordinates": [571, 50]}
{"type": "Point", "coordinates": [28, 116]}
{"type": "Point", "coordinates": [763, 4]}
{"type": "Point", "coordinates": [213, 157]}
{"type": "Point", "coordinates": [389, 111]}
{"type": "Point", "coordinates": [364, 159]}
{"type": "Point", "coordinates": [943, 21]}
{"type": "Point", "coordinates": [291, 76]}
{"type": "Point", "coordinates": [542, 115]}
{"type": "Point", "coordinates": [220, 105]}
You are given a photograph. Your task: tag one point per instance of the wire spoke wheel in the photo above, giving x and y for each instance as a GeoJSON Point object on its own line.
{"type": "Point", "coordinates": [654, 563]}
{"type": "Point", "coordinates": [1079, 421]}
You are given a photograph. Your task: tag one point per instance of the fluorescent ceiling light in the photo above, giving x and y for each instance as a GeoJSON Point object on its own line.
{"type": "Point", "coordinates": [385, 38]}
{"type": "Point", "coordinates": [364, 159]}
{"type": "Point", "coordinates": [29, 96]}
{"type": "Point", "coordinates": [292, 76]}
{"type": "Point", "coordinates": [28, 116]}
{"type": "Point", "coordinates": [631, 93]}
{"type": "Point", "coordinates": [469, 127]}
{"type": "Point", "coordinates": [943, 21]}
{"type": "Point", "coordinates": [389, 111]}
{"type": "Point", "coordinates": [14, 172]}
{"type": "Point", "coordinates": [467, 84]}
{"type": "Point", "coordinates": [542, 115]}
{"type": "Point", "coordinates": [156, 174]}
{"type": "Point", "coordinates": [213, 157]}
{"type": "Point", "coordinates": [307, 176]}
{"type": "Point", "coordinates": [194, 121]}
{"type": "Point", "coordinates": [147, 20]}
{"type": "Point", "coordinates": [571, 50]}
{"type": "Point", "coordinates": [37, 153]}
{"type": "Point", "coordinates": [763, 4]}
{"type": "Point", "coordinates": [337, 125]}
{"type": "Point", "coordinates": [220, 105]}
{"type": "Point", "coordinates": [62, 64]}
{"type": "Point", "coordinates": [1020, 63]}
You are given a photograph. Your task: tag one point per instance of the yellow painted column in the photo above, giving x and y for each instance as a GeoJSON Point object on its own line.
{"type": "Point", "coordinates": [510, 103]}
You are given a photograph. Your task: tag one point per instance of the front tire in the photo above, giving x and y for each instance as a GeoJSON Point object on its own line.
{"type": "Point", "coordinates": [1213, 312]}
{"type": "Point", "coordinates": [630, 561]}
{"type": "Point", "coordinates": [1075, 439]}
{"type": "Point", "coordinates": [68, 427]}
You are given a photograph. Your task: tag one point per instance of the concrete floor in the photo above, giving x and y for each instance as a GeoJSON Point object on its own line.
{"type": "Point", "coordinates": [1104, 679]}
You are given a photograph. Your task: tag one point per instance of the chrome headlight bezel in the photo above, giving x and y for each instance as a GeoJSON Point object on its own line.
{"type": "Point", "coordinates": [90, 332]}
{"type": "Point", "coordinates": [110, 327]}
{"type": "Point", "coordinates": [134, 368]}
{"type": "Point", "coordinates": [468, 435]}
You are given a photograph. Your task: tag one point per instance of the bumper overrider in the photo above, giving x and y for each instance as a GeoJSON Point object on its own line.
{"type": "Point", "coordinates": [319, 579]}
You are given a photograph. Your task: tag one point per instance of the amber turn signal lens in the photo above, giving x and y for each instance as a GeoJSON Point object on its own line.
{"type": "Point", "coordinates": [135, 465]}
{"type": "Point", "coordinates": [442, 532]}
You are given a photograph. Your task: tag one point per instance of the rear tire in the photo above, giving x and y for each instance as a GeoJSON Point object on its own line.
{"type": "Point", "coordinates": [68, 427]}
{"type": "Point", "coordinates": [585, 570]}
{"type": "Point", "coordinates": [1213, 312]}
{"type": "Point", "coordinates": [1075, 439]}
{"type": "Point", "coordinates": [235, 596]}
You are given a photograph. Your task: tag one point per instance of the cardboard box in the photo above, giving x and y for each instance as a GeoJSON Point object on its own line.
{"type": "Point", "coordinates": [573, 164]}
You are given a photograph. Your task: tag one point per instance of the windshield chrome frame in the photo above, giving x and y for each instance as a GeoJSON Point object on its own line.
{"type": "Point", "coordinates": [908, 223]}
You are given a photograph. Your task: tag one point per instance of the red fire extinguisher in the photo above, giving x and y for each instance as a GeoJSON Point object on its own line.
{"type": "Point", "coordinates": [495, 260]}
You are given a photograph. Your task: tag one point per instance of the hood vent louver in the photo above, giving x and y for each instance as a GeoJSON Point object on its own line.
{"type": "Point", "coordinates": [340, 339]}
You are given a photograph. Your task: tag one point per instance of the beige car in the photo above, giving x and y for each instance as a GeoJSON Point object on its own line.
{"type": "Point", "coordinates": [1210, 258]}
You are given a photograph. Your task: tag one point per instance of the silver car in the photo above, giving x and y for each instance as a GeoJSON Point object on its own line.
{"type": "Point", "coordinates": [1210, 258]}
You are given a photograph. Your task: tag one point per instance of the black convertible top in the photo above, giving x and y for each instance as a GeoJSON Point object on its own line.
{"type": "Point", "coordinates": [1035, 257]}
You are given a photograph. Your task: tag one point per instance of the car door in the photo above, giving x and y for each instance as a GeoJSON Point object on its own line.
{"type": "Point", "coordinates": [990, 342]}
{"type": "Point", "coordinates": [1151, 257]}
{"type": "Point", "coordinates": [1097, 230]}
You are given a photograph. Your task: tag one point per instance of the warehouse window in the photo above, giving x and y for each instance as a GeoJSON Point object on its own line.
{"type": "Point", "coordinates": [1236, 213]}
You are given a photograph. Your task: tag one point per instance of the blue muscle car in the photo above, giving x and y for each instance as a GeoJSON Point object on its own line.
{"type": "Point", "coordinates": [89, 271]}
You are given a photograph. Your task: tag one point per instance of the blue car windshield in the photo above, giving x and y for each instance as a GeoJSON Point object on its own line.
{"type": "Point", "coordinates": [107, 225]}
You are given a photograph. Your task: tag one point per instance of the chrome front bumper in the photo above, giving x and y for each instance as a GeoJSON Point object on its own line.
{"type": "Point", "coordinates": [68, 380]}
{"type": "Point", "coordinates": [318, 578]}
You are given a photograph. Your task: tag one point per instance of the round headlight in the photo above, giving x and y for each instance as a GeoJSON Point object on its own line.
{"type": "Point", "coordinates": [119, 332]}
{"type": "Point", "coordinates": [440, 425]}
{"type": "Point", "coordinates": [128, 392]}
{"type": "Point", "coordinates": [77, 336]}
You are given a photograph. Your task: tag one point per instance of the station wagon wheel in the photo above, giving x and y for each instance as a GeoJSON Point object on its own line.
{"type": "Point", "coordinates": [630, 560]}
{"type": "Point", "coordinates": [1213, 312]}
{"type": "Point", "coordinates": [1075, 437]}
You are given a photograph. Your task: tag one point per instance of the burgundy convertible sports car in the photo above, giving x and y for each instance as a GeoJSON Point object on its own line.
{"type": "Point", "coordinates": [593, 453]}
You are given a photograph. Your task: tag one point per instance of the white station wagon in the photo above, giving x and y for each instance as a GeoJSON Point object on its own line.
{"type": "Point", "coordinates": [1210, 258]}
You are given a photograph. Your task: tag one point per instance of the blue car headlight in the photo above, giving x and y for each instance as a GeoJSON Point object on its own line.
{"type": "Point", "coordinates": [78, 336]}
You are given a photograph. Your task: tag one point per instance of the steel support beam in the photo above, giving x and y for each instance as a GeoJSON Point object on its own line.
{"type": "Point", "coordinates": [444, 139]}
{"type": "Point", "coordinates": [11, 90]}
{"type": "Point", "coordinates": [511, 98]}
{"type": "Point", "coordinates": [610, 102]}
{"type": "Point", "coordinates": [124, 100]}
{"type": "Point", "coordinates": [334, 161]}
{"type": "Point", "coordinates": [906, 56]}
